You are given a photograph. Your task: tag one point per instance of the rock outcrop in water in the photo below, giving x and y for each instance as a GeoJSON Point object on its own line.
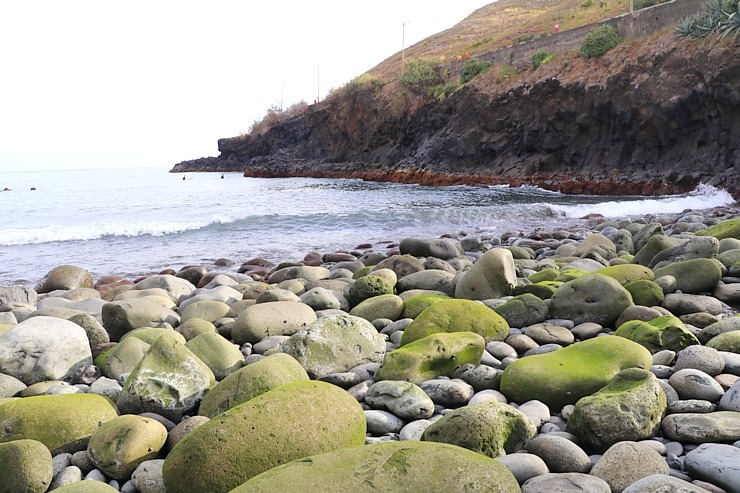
{"type": "Point", "coordinates": [655, 117]}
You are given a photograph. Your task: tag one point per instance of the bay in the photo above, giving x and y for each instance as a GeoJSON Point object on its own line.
{"type": "Point", "coordinates": [138, 221]}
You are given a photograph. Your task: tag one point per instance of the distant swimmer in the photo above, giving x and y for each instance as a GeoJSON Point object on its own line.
{"type": "Point", "coordinates": [6, 189]}
{"type": "Point", "coordinates": [222, 176]}
{"type": "Point", "coordinates": [183, 177]}
{"type": "Point", "coordinates": [33, 188]}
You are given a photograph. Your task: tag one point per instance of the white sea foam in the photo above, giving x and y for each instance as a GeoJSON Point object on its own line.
{"type": "Point", "coordinates": [703, 197]}
{"type": "Point", "coordinates": [86, 232]}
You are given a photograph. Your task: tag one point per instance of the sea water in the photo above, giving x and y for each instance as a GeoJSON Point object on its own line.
{"type": "Point", "coordinates": [138, 221]}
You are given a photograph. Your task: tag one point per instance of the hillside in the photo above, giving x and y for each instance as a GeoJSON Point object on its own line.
{"type": "Point", "coordinates": [654, 115]}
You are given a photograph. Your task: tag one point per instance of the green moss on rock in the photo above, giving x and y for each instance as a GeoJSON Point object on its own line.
{"type": "Point", "coordinates": [666, 332]}
{"type": "Point", "coordinates": [406, 466]}
{"type": "Point", "coordinates": [251, 381]}
{"type": "Point", "coordinates": [562, 377]}
{"type": "Point", "coordinates": [645, 292]}
{"type": "Point", "coordinates": [290, 422]}
{"type": "Point", "coordinates": [725, 229]}
{"type": "Point", "coordinates": [728, 341]}
{"type": "Point", "coordinates": [64, 423]}
{"type": "Point", "coordinates": [26, 467]}
{"type": "Point", "coordinates": [627, 273]}
{"type": "Point", "coordinates": [432, 356]}
{"type": "Point", "coordinates": [489, 428]}
{"type": "Point", "coordinates": [457, 316]}
{"type": "Point", "coordinates": [413, 306]}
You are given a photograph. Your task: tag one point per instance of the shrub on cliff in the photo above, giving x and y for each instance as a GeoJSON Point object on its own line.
{"type": "Point", "coordinates": [539, 57]}
{"type": "Point", "coordinates": [276, 114]}
{"type": "Point", "coordinates": [599, 41]}
{"type": "Point", "coordinates": [421, 76]}
{"type": "Point", "coordinates": [472, 68]}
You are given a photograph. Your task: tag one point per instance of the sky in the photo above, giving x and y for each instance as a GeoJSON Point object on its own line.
{"type": "Point", "coordinates": [97, 83]}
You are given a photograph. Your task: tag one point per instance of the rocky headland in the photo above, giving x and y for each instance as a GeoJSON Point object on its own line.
{"type": "Point", "coordinates": [603, 358]}
{"type": "Point", "coordinates": [654, 116]}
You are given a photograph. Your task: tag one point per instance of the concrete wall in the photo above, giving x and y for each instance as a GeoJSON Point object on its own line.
{"type": "Point", "coordinates": [630, 26]}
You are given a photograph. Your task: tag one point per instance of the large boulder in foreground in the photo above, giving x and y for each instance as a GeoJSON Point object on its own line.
{"type": "Point", "coordinates": [693, 276]}
{"type": "Point", "coordinates": [290, 422]}
{"type": "Point", "coordinates": [562, 377]}
{"type": "Point", "coordinates": [593, 298]}
{"type": "Point", "coordinates": [64, 423]}
{"type": "Point", "coordinates": [26, 467]}
{"type": "Point", "coordinates": [392, 466]}
{"type": "Point", "coordinates": [431, 357]}
{"type": "Point", "coordinates": [44, 348]}
{"type": "Point", "coordinates": [492, 276]}
{"type": "Point", "coordinates": [277, 318]}
{"type": "Point", "coordinates": [491, 428]}
{"type": "Point", "coordinates": [629, 408]}
{"type": "Point", "coordinates": [250, 381]}
{"type": "Point", "coordinates": [457, 316]}
{"type": "Point", "coordinates": [335, 344]}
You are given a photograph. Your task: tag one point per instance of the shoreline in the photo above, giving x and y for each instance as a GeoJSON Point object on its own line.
{"type": "Point", "coordinates": [665, 295]}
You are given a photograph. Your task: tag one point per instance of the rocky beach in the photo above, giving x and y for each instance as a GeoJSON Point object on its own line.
{"type": "Point", "coordinates": [598, 358]}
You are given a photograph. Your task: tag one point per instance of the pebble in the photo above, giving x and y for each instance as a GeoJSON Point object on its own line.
{"type": "Point", "coordinates": [560, 454]}
{"type": "Point", "coordinates": [382, 422]}
{"type": "Point", "coordinates": [487, 395]}
{"type": "Point", "coordinates": [702, 358]}
{"type": "Point", "coordinates": [562, 482]}
{"type": "Point", "coordinates": [715, 463]}
{"type": "Point", "coordinates": [448, 393]}
{"type": "Point", "coordinates": [524, 466]}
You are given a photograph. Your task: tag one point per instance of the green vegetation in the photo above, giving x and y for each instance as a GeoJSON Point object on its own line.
{"type": "Point", "coordinates": [539, 57]}
{"type": "Point", "coordinates": [480, 42]}
{"type": "Point", "coordinates": [587, 3]}
{"type": "Point", "coordinates": [721, 17]}
{"type": "Point", "coordinates": [365, 82]}
{"type": "Point", "coordinates": [421, 76]}
{"type": "Point", "coordinates": [472, 68]}
{"type": "Point", "coordinates": [599, 41]}
{"type": "Point", "coordinates": [276, 114]}
{"type": "Point", "coordinates": [506, 72]}
{"type": "Point", "coordinates": [444, 91]}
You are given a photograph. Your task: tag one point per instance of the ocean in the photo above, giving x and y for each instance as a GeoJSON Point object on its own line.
{"type": "Point", "coordinates": [138, 221]}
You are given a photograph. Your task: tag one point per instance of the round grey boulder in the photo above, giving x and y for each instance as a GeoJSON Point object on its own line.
{"type": "Point", "coordinates": [626, 462]}
{"type": "Point", "coordinates": [404, 399]}
{"type": "Point", "coordinates": [565, 482]}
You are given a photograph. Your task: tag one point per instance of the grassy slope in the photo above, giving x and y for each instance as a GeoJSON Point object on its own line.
{"type": "Point", "coordinates": [501, 24]}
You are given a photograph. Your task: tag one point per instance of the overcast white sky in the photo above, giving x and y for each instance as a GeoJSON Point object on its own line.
{"type": "Point", "coordinates": [96, 83]}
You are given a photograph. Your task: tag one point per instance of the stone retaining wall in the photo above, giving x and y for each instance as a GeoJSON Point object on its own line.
{"type": "Point", "coordinates": [630, 26]}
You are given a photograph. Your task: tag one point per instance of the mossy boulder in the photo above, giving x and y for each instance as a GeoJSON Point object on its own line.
{"type": "Point", "coordinates": [523, 310]}
{"type": "Point", "coordinates": [388, 306]}
{"type": "Point", "coordinates": [391, 466]}
{"type": "Point", "coordinates": [433, 356]}
{"type": "Point", "coordinates": [122, 443]}
{"type": "Point", "coordinates": [169, 380]}
{"type": "Point", "coordinates": [727, 341]}
{"type": "Point", "coordinates": [207, 310]}
{"type": "Point", "coordinates": [64, 422]}
{"type": "Point", "coordinates": [221, 356]}
{"type": "Point", "coordinates": [629, 408]}
{"type": "Point", "coordinates": [562, 377]}
{"type": "Point", "coordinates": [250, 381]}
{"type": "Point", "coordinates": [567, 275]}
{"type": "Point", "coordinates": [652, 247]}
{"type": "Point", "coordinates": [194, 327]}
{"type": "Point", "coordinates": [645, 292]}
{"type": "Point", "coordinates": [699, 275]}
{"type": "Point", "coordinates": [413, 306]}
{"type": "Point", "coordinates": [547, 274]}
{"type": "Point", "coordinates": [665, 332]}
{"type": "Point", "coordinates": [26, 467]}
{"type": "Point", "coordinates": [544, 290]}
{"type": "Point", "coordinates": [335, 344]}
{"type": "Point", "coordinates": [277, 318]}
{"type": "Point", "coordinates": [65, 277]}
{"type": "Point", "coordinates": [490, 428]}
{"type": "Point", "coordinates": [150, 335]}
{"type": "Point", "coordinates": [293, 421]}
{"type": "Point", "coordinates": [725, 229]}
{"type": "Point", "coordinates": [368, 287]}
{"type": "Point", "coordinates": [457, 316]}
{"type": "Point", "coordinates": [627, 273]}
{"type": "Point", "coordinates": [593, 298]}
{"type": "Point", "coordinates": [728, 324]}
{"type": "Point", "coordinates": [120, 317]}
{"type": "Point", "coordinates": [86, 487]}
{"type": "Point", "coordinates": [122, 358]}
{"type": "Point", "coordinates": [492, 276]}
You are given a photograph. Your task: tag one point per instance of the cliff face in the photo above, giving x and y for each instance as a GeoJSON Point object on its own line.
{"type": "Point", "coordinates": [657, 117]}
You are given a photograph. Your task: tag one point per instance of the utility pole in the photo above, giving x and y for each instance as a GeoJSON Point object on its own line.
{"type": "Point", "coordinates": [318, 83]}
{"type": "Point", "coordinates": [403, 47]}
